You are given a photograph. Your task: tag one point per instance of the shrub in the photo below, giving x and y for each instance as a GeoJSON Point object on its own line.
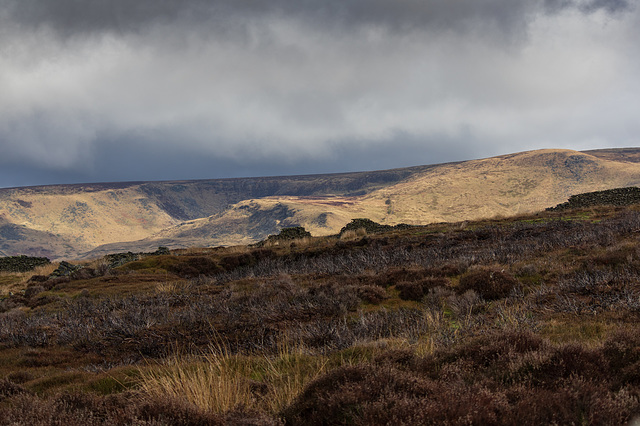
{"type": "Point", "coordinates": [37, 279]}
{"type": "Point", "coordinates": [19, 377]}
{"type": "Point", "coordinates": [513, 378]}
{"type": "Point", "coordinates": [447, 270]}
{"type": "Point", "coordinates": [417, 290]}
{"type": "Point", "coordinates": [344, 395]}
{"type": "Point", "coordinates": [393, 276]}
{"type": "Point", "coordinates": [622, 352]}
{"type": "Point", "coordinates": [195, 266]}
{"type": "Point", "coordinates": [368, 225]}
{"type": "Point", "coordinates": [491, 284]}
{"type": "Point", "coordinates": [288, 234]}
{"type": "Point", "coordinates": [410, 291]}
{"type": "Point", "coordinates": [235, 261]}
{"type": "Point", "coordinates": [9, 389]}
{"type": "Point", "coordinates": [371, 294]}
{"type": "Point", "coordinates": [76, 409]}
{"type": "Point", "coordinates": [33, 290]}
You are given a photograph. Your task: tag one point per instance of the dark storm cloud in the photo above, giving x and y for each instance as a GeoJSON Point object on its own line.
{"type": "Point", "coordinates": [609, 6]}
{"type": "Point", "coordinates": [81, 16]}
{"type": "Point", "coordinates": [71, 17]}
{"type": "Point", "coordinates": [157, 89]}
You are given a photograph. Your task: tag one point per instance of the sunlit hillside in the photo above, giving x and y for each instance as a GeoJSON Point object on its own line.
{"type": "Point", "coordinates": [90, 220]}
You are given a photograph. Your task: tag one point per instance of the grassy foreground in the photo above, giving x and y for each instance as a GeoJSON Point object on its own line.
{"type": "Point", "coordinates": [523, 320]}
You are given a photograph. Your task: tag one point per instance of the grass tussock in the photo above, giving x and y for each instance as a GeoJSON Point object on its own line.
{"type": "Point", "coordinates": [353, 234]}
{"type": "Point", "coordinates": [13, 282]}
{"type": "Point", "coordinates": [218, 382]}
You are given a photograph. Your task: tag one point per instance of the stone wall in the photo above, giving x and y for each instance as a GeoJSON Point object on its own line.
{"type": "Point", "coordinates": [21, 263]}
{"type": "Point", "coordinates": [610, 197]}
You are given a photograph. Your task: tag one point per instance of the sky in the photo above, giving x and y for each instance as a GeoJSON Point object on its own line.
{"type": "Point", "coordinates": [120, 90]}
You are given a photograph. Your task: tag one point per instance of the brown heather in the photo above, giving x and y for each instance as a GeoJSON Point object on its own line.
{"type": "Point", "coordinates": [526, 320]}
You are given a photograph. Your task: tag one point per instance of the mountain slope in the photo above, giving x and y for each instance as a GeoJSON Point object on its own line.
{"type": "Point", "coordinates": [85, 216]}
{"type": "Point", "coordinates": [505, 185]}
{"type": "Point", "coordinates": [100, 218]}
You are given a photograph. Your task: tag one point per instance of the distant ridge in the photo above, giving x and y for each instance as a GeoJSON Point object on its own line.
{"type": "Point", "coordinates": [85, 220]}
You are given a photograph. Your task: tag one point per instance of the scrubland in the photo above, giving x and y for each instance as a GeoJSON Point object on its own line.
{"type": "Point", "coordinates": [522, 320]}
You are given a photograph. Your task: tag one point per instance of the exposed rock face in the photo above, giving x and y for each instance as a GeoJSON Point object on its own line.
{"type": "Point", "coordinates": [288, 234]}
{"type": "Point", "coordinates": [370, 226]}
{"type": "Point", "coordinates": [366, 224]}
{"type": "Point", "coordinates": [65, 269]}
{"type": "Point", "coordinates": [119, 259]}
{"type": "Point", "coordinates": [611, 197]}
{"type": "Point", "coordinates": [21, 263]}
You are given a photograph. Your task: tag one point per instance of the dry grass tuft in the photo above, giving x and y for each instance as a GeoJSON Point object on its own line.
{"type": "Point", "coordinates": [353, 234]}
{"type": "Point", "coordinates": [218, 381]}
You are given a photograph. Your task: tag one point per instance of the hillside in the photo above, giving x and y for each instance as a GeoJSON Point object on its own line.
{"type": "Point", "coordinates": [524, 320]}
{"type": "Point", "coordinates": [69, 221]}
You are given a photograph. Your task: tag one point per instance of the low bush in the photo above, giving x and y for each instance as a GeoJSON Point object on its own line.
{"type": "Point", "coordinates": [418, 289]}
{"type": "Point", "coordinates": [231, 262]}
{"type": "Point", "coordinates": [491, 284]}
{"type": "Point", "coordinates": [371, 294]}
{"type": "Point", "coordinates": [512, 378]}
{"type": "Point", "coordinates": [368, 225]}
{"type": "Point", "coordinates": [459, 354]}
{"type": "Point", "coordinates": [287, 234]}
{"type": "Point", "coordinates": [622, 353]}
{"type": "Point", "coordinates": [9, 388]}
{"type": "Point", "coordinates": [194, 266]}
{"type": "Point", "coordinates": [78, 409]}
{"type": "Point", "coordinates": [394, 276]}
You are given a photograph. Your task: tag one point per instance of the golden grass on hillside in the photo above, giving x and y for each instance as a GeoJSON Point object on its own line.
{"type": "Point", "coordinates": [219, 381]}
{"type": "Point", "coordinates": [12, 282]}
{"type": "Point", "coordinates": [72, 223]}
{"type": "Point", "coordinates": [195, 251]}
{"type": "Point", "coordinates": [297, 242]}
{"type": "Point", "coordinates": [353, 234]}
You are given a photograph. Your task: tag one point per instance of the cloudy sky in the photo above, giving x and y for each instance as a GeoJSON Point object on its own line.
{"type": "Point", "coordinates": [114, 90]}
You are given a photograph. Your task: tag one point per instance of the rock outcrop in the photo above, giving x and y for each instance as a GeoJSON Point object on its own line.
{"type": "Point", "coordinates": [21, 263]}
{"type": "Point", "coordinates": [610, 197]}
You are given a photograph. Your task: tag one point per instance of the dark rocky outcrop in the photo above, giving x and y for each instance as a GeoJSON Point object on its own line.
{"type": "Point", "coordinates": [21, 263]}
{"type": "Point", "coordinates": [610, 197]}
{"type": "Point", "coordinates": [288, 234]}
{"type": "Point", "coordinates": [370, 226]}
{"type": "Point", "coordinates": [367, 224]}
{"type": "Point", "coordinates": [118, 259]}
{"type": "Point", "coordinates": [65, 269]}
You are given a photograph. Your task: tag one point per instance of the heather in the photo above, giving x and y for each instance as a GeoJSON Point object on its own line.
{"type": "Point", "coordinates": [521, 320]}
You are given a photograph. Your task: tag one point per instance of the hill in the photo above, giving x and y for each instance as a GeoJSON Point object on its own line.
{"type": "Point", "coordinates": [68, 221]}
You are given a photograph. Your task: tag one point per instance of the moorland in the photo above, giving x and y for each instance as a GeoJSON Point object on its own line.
{"type": "Point", "coordinates": [92, 220]}
{"type": "Point", "coordinates": [527, 319]}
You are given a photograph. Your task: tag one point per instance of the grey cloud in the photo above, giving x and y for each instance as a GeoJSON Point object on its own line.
{"type": "Point", "coordinates": [153, 89]}
{"type": "Point", "coordinates": [80, 16]}
{"type": "Point", "coordinates": [612, 7]}
{"type": "Point", "coordinates": [135, 159]}
{"type": "Point", "coordinates": [609, 6]}
{"type": "Point", "coordinates": [71, 17]}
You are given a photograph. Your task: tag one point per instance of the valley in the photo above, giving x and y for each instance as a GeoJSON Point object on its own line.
{"type": "Point", "coordinates": [85, 221]}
